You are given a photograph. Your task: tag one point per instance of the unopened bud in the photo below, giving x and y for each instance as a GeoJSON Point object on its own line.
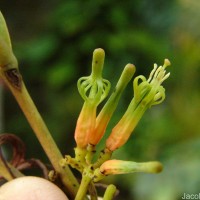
{"type": "Point", "coordinates": [125, 167]}
{"type": "Point", "coordinates": [106, 113]}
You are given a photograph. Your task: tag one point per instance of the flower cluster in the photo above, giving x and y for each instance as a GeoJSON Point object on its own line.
{"type": "Point", "coordinates": [91, 126]}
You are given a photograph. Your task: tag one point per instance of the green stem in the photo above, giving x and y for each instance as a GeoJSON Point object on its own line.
{"type": "Point", "coordinates": [104, 156]}
{"type": "Point", "coordinates": [90, 153]}
{"type": "Point", "coordinates": [80, 154]}
{"type": "Point", "coordinates": [4, 171]}
{"type": "Point", "coordinates": [110, 192]}
{"type": "Point", "coordinates": [7, 171]}
{"type": "Point", "coordinates": [16, 173]}
{"type": "Point", "coordinates": [83, 187]}
{"type": "Point", "coordinates": [36, 122]}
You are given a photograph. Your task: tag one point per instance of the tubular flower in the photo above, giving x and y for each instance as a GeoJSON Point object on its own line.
{"type": "Point", "coordinates": [106, 113]}
{"type": "Point", "coordinates": [112, 167]}
{"type": "Point", "coordinates": [93, 89]}
{"type": "Point", "coordinates": [146, 93]}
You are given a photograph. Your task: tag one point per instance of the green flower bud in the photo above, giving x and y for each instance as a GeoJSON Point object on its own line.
{"type": "Point", "coordinates": [113, 167]}
{"type": "Point", "coordinates": [106, 113]}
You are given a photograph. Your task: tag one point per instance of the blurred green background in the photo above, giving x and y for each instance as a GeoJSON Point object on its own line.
{"type": "Point", "coordinates": [54, 40]}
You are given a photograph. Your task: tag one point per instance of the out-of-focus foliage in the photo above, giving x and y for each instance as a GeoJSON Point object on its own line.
{"type": "Point", "coordinates": [54, 40]}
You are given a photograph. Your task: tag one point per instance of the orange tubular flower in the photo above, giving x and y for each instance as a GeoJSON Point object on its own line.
{"type": "Point", "coordinates": [147, 93]}
{"type": "Point", "coordinates": [112, 167]}
{"type": "Point", "coordinates": [125, 167]}
{"type": "Point", "coordinates": [93, 89]}
{"type": "Point", "coordinates": [106, 113]}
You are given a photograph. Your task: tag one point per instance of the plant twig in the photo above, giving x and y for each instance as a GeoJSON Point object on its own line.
{"type": "Point", "coordinates": [13, 80]}
{"type": "Point", "coordinates": [83, 187]}
{"type": "Point", "coordinates": [16, 173]}
{"type": "Point", "coordinates": [5, 172]}
{"type": "Point", "coordinates": [10, 74]}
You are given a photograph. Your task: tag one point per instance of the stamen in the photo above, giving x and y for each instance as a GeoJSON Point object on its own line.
{"type": "Point", "coordinates": [166, 63]}
{"type": "Point", "coordinates": [152, 72]}
{"type": "Point", "coordinates": [157, 72]}
{"type": "Point", "coordinates": [165, 77]}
